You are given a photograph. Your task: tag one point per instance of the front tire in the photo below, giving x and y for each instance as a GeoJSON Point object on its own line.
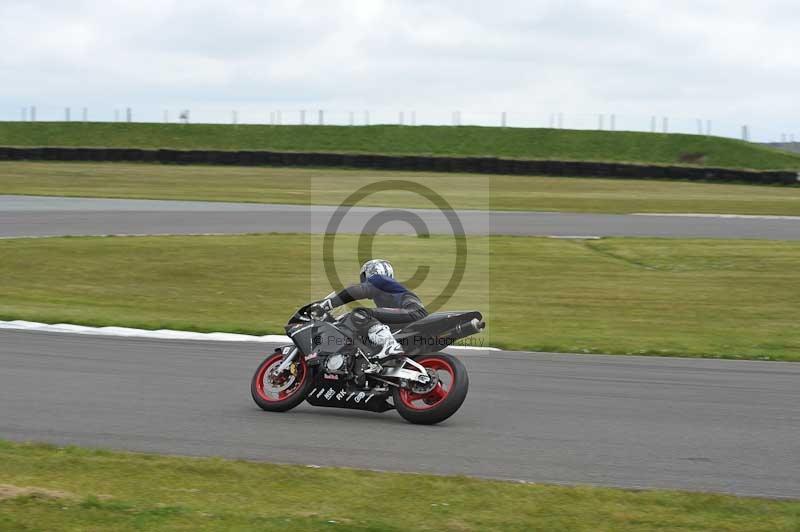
{"type": "Point", "coordinates": [443, 400]}
{"type": "Point", "coordinates": [279, 393]}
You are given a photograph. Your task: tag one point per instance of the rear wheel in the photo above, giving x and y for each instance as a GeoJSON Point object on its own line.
{"type": "Point", "coordinates": [279, 392]}
{"type": "Point", "coordinates": [426, 405]}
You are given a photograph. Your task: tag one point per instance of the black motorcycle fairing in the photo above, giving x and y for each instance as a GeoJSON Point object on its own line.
{"type": "Point", "coordinates": [332, 391]}
{"type": "Point", "coordinates": [302, 334]}
{"type": "Point", "coordinates": [319, 337]}
{"type": "Point", "coordinates": [330, 339]}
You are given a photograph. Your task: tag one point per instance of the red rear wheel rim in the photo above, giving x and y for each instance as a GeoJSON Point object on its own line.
{"type": "Point", "coordinates": [439, 393]}
{"type": "Point", "coordinates": [281, 395]}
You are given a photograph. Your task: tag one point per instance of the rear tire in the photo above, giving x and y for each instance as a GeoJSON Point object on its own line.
{"type": "Point", "coordinates": [441, 402]}
{"type": "Point", "coordinates": [288, 398]}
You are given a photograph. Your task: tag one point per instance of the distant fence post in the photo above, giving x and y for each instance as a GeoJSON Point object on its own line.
{"type": "Point", "coordinates": [745, 133]}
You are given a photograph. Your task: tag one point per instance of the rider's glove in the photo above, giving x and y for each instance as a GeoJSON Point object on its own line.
{"type": "Point", "coordinates": [317, 310]}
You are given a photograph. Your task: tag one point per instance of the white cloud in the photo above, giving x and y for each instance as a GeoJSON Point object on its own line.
{"type": "Point", "coordinates": [733, 61]}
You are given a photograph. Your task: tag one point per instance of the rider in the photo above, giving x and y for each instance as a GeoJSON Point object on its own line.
{"type": "Point", "coordinates": [395, 304]}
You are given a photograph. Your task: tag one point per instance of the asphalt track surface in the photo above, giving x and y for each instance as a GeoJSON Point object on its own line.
{"type": "Point", "coordinates": [53, 216]}
{"type": "Point", "coordinates": [619, 421]}
{"type": "Point", "coordinates": [711, 425]}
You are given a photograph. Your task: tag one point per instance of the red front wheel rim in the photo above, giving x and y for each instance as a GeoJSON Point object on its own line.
{"type": "Point", "coordinates": [278, 391]}
{"type": "Point", "coordinates": [439, 393]}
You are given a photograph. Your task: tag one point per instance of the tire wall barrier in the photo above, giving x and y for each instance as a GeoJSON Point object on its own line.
{"type": "Point", "coordinates": [485, 165]}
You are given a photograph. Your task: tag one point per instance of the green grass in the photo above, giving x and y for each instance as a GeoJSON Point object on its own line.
{"type": "Point", "coordinates": [519, 143]}
{"type": "Point", "coordinates": [710, 298]}
{"type": "Point", "coordinates": [331, 186]}
{"type": "Point", "coordinates": [79, 489]}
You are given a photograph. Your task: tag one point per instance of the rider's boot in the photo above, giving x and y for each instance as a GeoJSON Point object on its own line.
{"type": "Point", "coordinates": [380, 334]}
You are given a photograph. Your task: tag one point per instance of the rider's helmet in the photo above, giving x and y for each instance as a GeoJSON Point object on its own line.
{"type": "Point", "coordinates": [376, 267]}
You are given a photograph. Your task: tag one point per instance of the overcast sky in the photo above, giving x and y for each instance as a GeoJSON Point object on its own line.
{"type": "Point", "coordinates": [732, 61]}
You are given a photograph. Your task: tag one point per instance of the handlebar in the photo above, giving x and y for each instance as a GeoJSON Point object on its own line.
{"type": "Point", "coordinates": [313, 311]}
{"type": "Point", "coordinates": [316, 312]}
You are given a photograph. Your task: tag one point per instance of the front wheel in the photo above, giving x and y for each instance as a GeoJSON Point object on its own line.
{"type": "Point", "coordinates": [279, 392]}
{"type": "Point", "coordinates": [434, 403]}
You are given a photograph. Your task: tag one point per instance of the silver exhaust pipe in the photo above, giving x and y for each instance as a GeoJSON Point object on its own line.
{"type": "Point", "coordinates": [462, 330]}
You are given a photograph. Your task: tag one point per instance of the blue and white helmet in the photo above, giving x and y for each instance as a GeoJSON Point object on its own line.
{"type": "Point", "coordinates": [376, 267]}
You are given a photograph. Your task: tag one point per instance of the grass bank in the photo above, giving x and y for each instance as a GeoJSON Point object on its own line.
{"type": "Point", "coordinates": [702, 298]}
{"type": "Point", "coordinates": [521, 143]}
{"type": "Point", "coordinates": [332, 186]}
{"type": "Point", "coordinates": [50, 488]}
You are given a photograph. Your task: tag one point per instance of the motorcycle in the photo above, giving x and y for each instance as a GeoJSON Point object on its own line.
{"type": "Point", "coordinates": [328, 364]}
